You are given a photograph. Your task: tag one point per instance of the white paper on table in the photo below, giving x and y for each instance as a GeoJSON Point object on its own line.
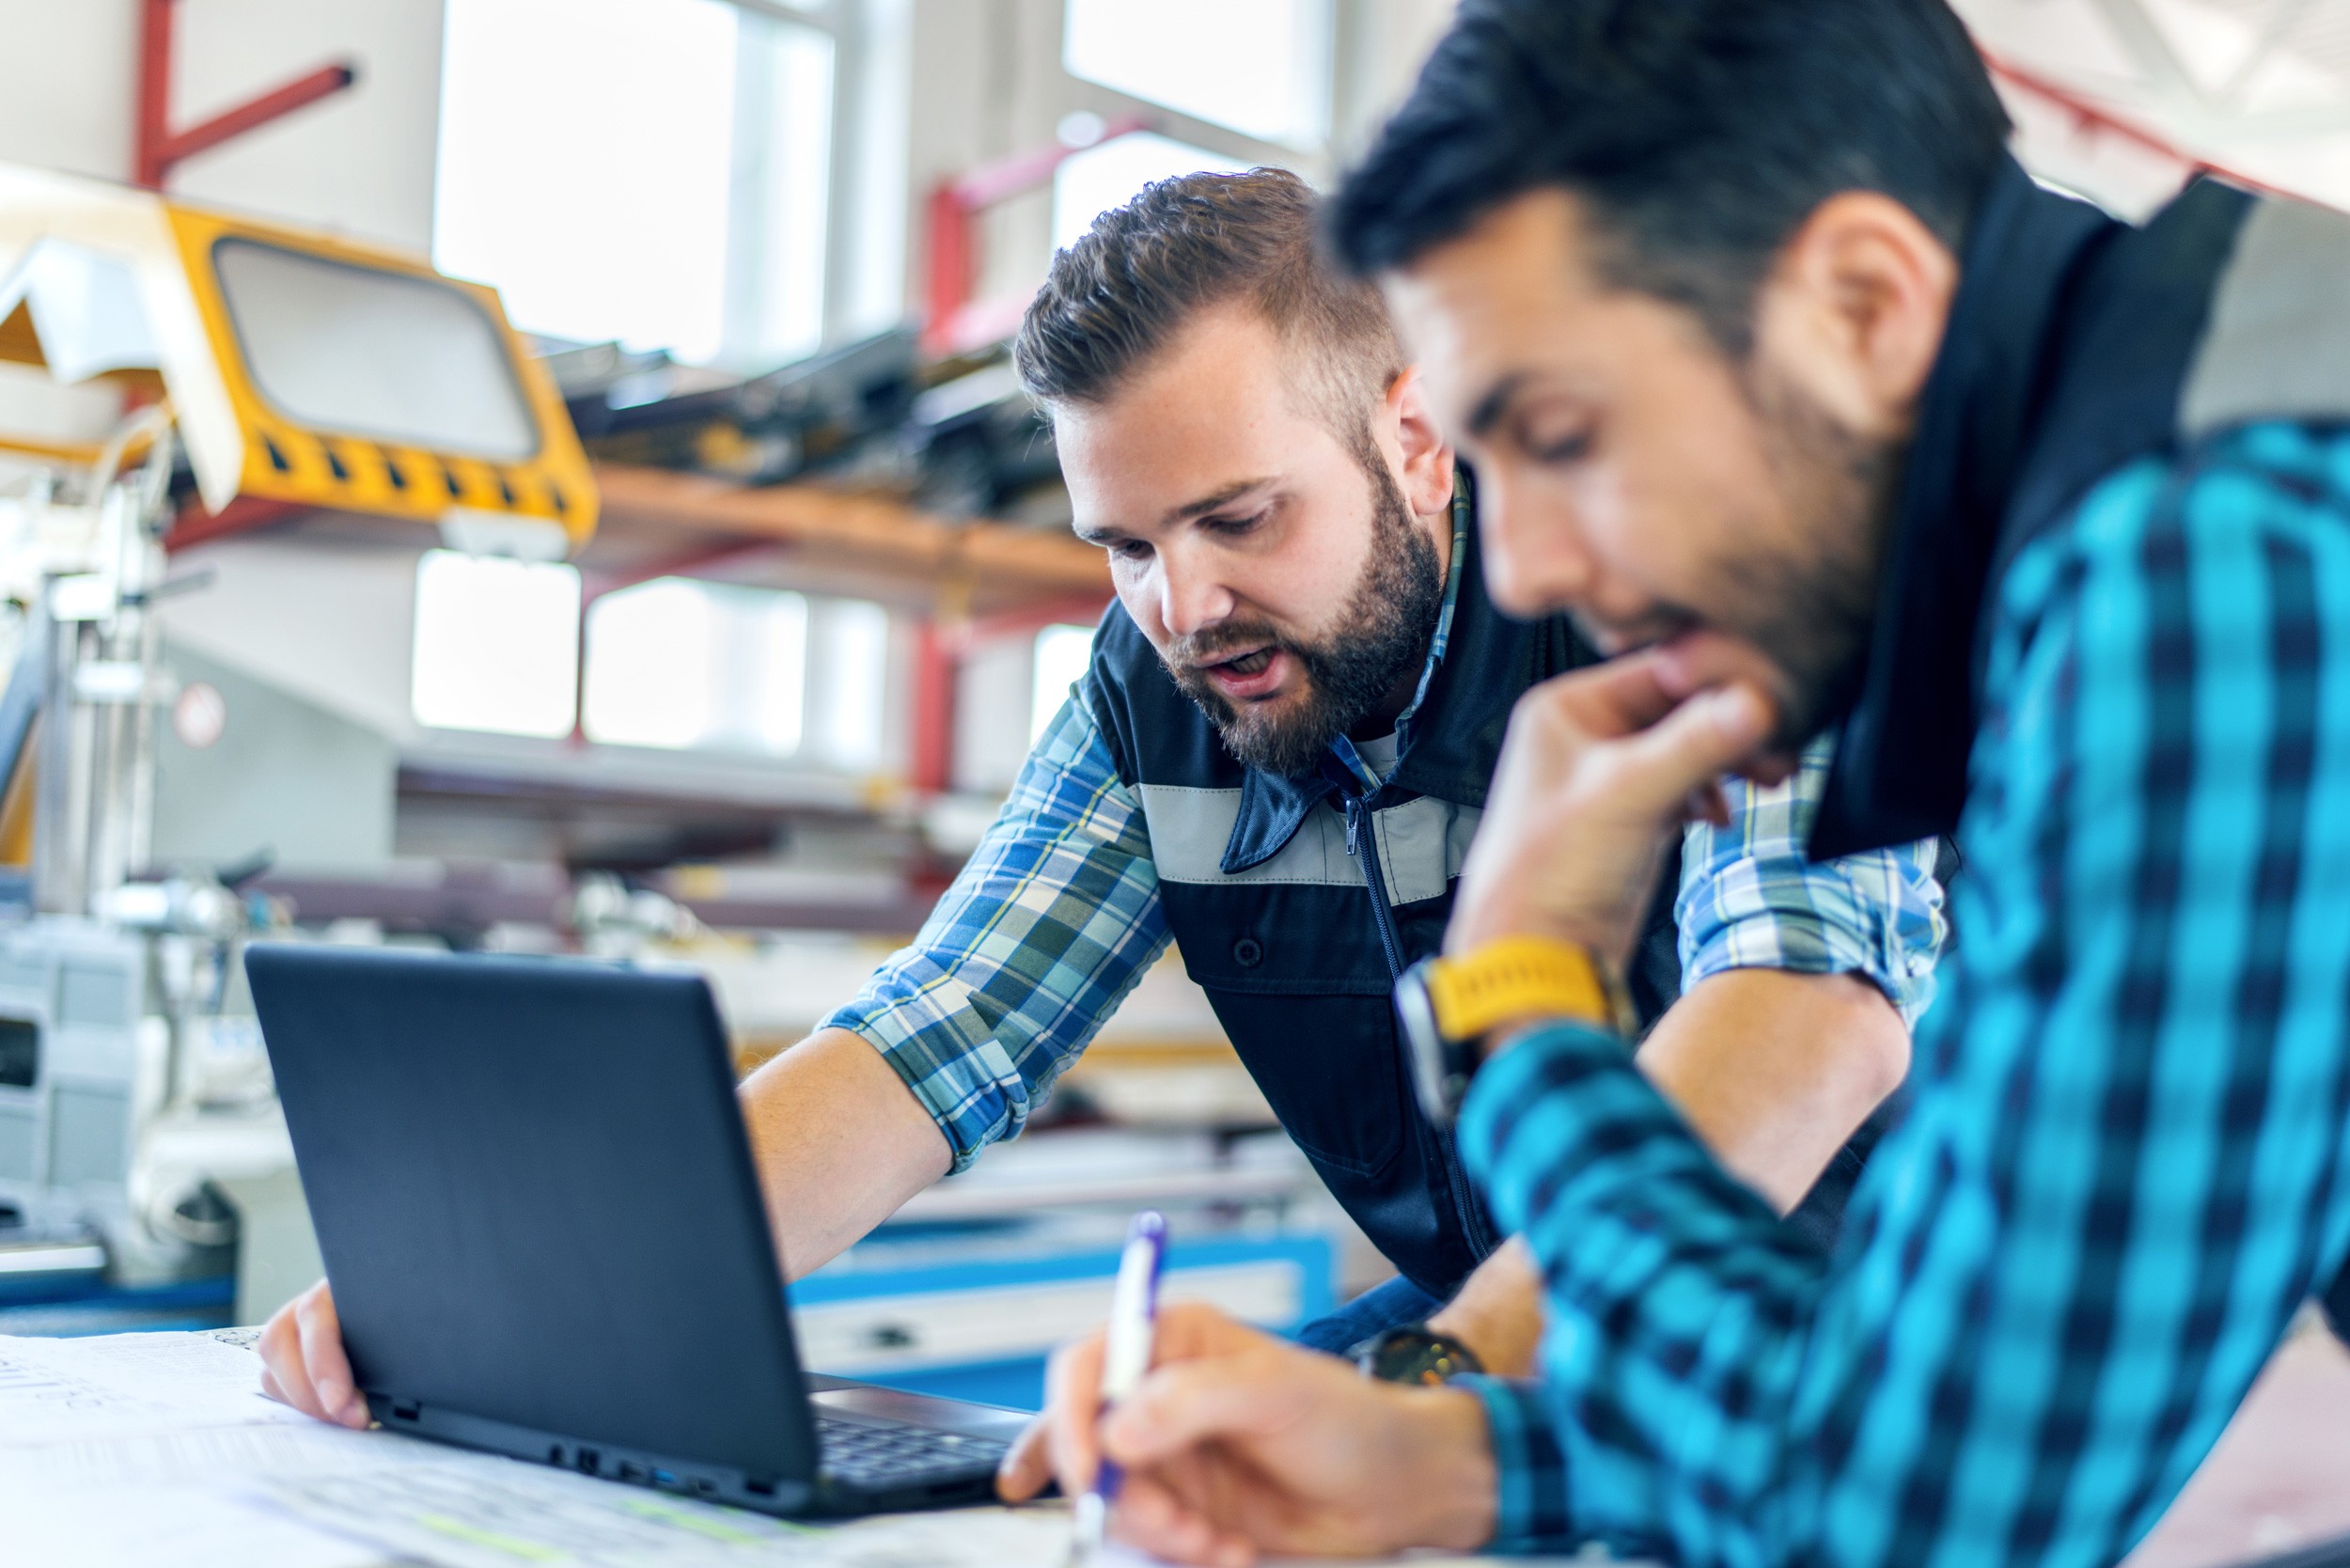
{"type": "Point", "coordinates": [187, 1526]}
{"type": "Point", "coordinates": [55, 1390]}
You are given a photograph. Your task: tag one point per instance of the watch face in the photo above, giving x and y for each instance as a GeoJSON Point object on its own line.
{"type": "Point", "coordinates": [1429, 1072]}
{"type": "Point", "coordinates": [1416, 1355]}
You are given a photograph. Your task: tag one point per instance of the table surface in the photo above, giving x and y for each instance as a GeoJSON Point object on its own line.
{"type": "Point", "coordinates": [2279, 1478]}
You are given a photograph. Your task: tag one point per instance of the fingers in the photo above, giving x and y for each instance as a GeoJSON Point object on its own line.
{"type": "Point", "coordinates": [1029, 1464]}
{"type": "Point", "coordinates": [1072, 1400]}
{"type": "Point", "coordinates": [1690, 747]}
{"type": "Point", "coordinates": [1616, 698]}
{"type": "Point", "coordinates": [304, 1348]}
{"type": "Point", "coordinates": [1152, 1517]}
{"type": "Point", "coordinates": [1249, 1395]}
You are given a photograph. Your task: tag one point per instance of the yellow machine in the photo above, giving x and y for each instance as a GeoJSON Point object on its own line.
{"type": "Point", "coordinates": [299, 366]}
{"type": "Point", "coordinates": [290, 367]}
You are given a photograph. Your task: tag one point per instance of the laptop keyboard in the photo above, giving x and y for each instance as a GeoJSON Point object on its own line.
{"type": "Point", "coordinates": [874, 1455]}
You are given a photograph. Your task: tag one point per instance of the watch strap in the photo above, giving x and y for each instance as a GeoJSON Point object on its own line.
{"type": "Point", "coordinates": [1521, 976]}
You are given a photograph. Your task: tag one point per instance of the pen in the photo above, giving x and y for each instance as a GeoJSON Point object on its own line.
{"type": "Point", "coordinates": [1125, 1358]}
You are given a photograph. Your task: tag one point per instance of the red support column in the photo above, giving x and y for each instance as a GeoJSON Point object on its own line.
{"type": "Point", "coordinates": [154, 126]}
{"type": "Point", "coordinates": [935, 668]}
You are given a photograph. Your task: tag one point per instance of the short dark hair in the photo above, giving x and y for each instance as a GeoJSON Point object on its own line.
{"type": "Point", "coordinates": [1698, 135]}
{"type": "Point", "coordinates": [1129, 284]}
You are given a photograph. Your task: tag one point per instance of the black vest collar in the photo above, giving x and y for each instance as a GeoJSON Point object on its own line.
{"type": "Point", "coordinates": [2066, 344]}
{"type": "Point", "coordinates": [1450, 746]}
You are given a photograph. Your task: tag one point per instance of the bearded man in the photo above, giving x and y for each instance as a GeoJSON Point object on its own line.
{"type": "Point", "coordinates": [1770, 356]}
{"type": "Point", "coordinates": [1276, 760]}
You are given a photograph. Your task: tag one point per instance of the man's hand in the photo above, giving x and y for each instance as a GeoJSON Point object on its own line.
{"type": "Point", "coordinates": [1239, 1444]}
{"type": "Point", "coordinates": [302, 1362]}
{"type": "Point", "coordinates": [1599, 768]}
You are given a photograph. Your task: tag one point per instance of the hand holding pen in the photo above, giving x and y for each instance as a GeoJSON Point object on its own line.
{"type": "Point", "coordinates": [1125, 1358]}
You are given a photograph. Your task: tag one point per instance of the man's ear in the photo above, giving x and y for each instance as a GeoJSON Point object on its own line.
{"type": "Point", "coordinates": [1426, 457]}
{"type": "Point", "coordinates": [1854, 309]}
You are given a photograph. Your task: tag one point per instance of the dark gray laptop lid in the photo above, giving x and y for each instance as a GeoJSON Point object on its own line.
{"type": "Point", "coordinates": [534, 1198]}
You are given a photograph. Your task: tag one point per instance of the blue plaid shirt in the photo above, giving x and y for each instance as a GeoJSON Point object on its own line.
{"type": "Point", "coordinates": [2125, 1165]}
{"type": "Point", "coordinates": [1056, 915]}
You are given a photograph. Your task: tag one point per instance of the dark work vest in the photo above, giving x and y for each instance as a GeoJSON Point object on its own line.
{"type": "Point", "coordinates": [2076, 345]}
{"type": "Point", "coordinates": [1268, 887]}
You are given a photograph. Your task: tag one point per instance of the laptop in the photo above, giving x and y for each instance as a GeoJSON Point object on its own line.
{"type": "Point", "coordinates": [534, 1198]}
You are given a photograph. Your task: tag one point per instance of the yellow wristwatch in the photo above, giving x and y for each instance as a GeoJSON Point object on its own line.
{"type": "Point", "coordinates": [1448, 1005]}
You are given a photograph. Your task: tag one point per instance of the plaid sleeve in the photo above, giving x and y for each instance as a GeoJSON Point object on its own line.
{"type": "Point", "coordinates": [2125, 1165]}
{"type": "Point", "coordinates": [1528, 1464]}
{"type": "Point", "coordinates": [1752, 898]}
{"type": "Point", "coordinates": [1049, 924]}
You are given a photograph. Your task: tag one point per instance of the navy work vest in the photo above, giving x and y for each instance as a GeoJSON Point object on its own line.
{"type": "Point", "coordinates": [1268, 885]}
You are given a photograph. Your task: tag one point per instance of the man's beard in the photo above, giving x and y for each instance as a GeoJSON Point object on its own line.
{"type": "Point", "coordinates": [1382, 637]}
{"type": "Point", "coordinates": [1809, 612]}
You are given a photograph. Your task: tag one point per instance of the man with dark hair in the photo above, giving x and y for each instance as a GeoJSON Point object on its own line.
{"type": "Point", "coordinates": [1276, 760]}
{"type": "Point", "coordinates": [1790, 384]}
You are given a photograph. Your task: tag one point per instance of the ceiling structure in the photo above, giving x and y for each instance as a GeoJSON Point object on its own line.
{"type": "Point", "coordinates": [2121, 99]}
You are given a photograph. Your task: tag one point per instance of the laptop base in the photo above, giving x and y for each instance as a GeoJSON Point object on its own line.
{"type": "Point", "coordinates": [945, 1425]}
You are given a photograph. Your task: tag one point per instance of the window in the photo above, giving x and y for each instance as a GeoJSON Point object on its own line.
{"type": "Point", "coordinates": [647, 170]}
{"type": "Point", "coordinates": [850, 640]}
{"type": "Point", "coordinates": [496, 645]}
{"type": "Point", "coordinates": [1260, 67]}
{"type": "Point", "coordinates": [1089, 184]}
{"type": "Point", "coordinates": [1062, 654]}
{"type": "Point", "coordinates": [675, 663]}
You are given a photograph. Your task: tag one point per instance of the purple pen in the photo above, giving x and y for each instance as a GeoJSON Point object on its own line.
{"type": "Point", "coordinates": [1125, 1358]}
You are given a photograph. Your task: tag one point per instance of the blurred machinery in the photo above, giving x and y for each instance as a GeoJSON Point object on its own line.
{"type": "Point", "coordinates": [251, 366]}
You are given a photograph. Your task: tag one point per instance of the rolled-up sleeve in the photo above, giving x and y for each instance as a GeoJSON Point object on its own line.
{"type": "Point", "coordinates": [1050, 923]}
{"type": "Point", "coordinates": [1752, 898]}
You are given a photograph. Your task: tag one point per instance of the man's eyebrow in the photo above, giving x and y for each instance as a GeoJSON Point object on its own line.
{"type": "Point", "coordinates": [1489, 408]}
{"type": "Point", "coordinates": [1223, 497]}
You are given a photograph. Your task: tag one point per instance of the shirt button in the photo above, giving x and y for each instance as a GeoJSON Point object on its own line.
{"type": "Point", "coordinates": [1248, 952]}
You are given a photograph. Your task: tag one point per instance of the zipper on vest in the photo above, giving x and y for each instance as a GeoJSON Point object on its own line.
{"type": "Point", "coordinates": [1362, 842]}
{"type": "Point", "coordinates": [1359, 830]}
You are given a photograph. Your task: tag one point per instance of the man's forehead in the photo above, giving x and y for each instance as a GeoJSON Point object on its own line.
{"type": "Point", "coordinates": [1514, 291]}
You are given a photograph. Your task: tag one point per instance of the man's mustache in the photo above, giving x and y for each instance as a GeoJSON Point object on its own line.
{"type": "Point", "coordinates": [1202, 648]}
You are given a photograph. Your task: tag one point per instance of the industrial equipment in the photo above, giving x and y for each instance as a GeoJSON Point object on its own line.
{"type": "Point", "coordinates": [249, 364]}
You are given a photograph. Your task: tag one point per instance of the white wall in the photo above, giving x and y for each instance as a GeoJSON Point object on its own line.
{"type": "Point", "coordinates": [361, 161]}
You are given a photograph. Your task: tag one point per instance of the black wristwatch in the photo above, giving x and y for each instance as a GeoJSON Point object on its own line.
{"type": "Point", "coordinates": [1415, 1355]}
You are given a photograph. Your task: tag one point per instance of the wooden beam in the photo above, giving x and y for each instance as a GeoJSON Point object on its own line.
{"type": "Point", "coordinates": [998, 560]}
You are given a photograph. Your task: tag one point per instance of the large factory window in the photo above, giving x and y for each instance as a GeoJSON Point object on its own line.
{"type": "Point", "coordinates": [1061, 655]}
{"type": "Point", "coordinates": [496, 645]}
{"type": "Point", "coordinates": [679, 664]}
{"type": "Point", "coordinates": [657, 174]}
{"type": "Point", "coordinates": [1258, 67]}
{"type": "Point", "coordinates": [848, 697]}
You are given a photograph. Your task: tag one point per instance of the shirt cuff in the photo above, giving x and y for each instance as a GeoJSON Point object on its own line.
{"type": "Point", "coordinates": [1877, 914]}
{"type": "Point", "coordinates": [951, 1062]}
{"type": "Point", "coordinates": [1529, 1466]}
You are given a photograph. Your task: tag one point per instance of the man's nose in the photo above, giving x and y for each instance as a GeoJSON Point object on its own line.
{"type": "Point", "coordinates": [1536, 562]}
{"type": "Point", "coordinates": [1190, 597]}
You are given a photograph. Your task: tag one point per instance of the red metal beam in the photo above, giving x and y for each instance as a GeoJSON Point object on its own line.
{"type": "Point", "coordinates": [242, 516]}
{"type": "Point", "coordinates": [299, 93]}
{"type": "Point", "coordinates": [157, 148]}
{"type": "Point", "coordinates": [952, 233]}
{"type": "Point", "coordinates": [2085, 113]}
{"type": "Point", "coordinates": [685, 564]}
